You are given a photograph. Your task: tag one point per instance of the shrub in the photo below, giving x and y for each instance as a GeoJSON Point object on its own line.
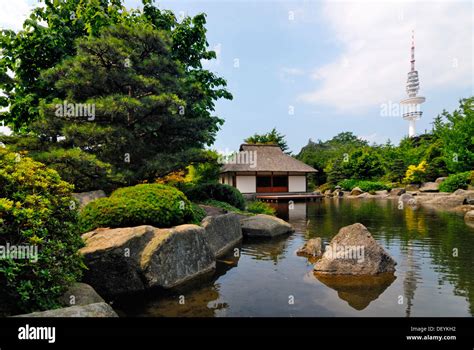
{"type": "Point", "coordinates": [366, 186]}
{"type": "Point", "coordinates": [146, 204]}
{"type": "Point", "coordinates": [217, 191]}
{"type": "Point", "coordinates": [198, 213]}
{"type": "Point", "coordinates": [258, 207]}
{"type": "Point", "coordinates": [327, 186]}
{"type": "Point", "coordinates": [456, 181]}
{"type": "Point", "coordinates": [36, 210]}
{"type": "Point", "coordinates": [223, 205]}
{"type": "Point", "coordinates": [415, 174]}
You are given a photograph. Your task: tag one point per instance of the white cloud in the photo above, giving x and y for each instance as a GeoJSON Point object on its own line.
{"type": "Point", "coordinates": [288, 74]}
{"type": "Point", "coordinates": [13, 13]}
{"type": "Point", "coordinates": [376, 40]}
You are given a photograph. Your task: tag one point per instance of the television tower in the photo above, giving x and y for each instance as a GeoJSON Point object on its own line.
{"type": "Point", "coordinates": [412, 105]}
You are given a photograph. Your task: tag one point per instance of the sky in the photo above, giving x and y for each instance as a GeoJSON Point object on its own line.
{"type": "Point", "coordinates": [313, 69]}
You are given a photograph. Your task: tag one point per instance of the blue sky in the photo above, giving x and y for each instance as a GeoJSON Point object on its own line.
{"type": "Point", "coordinates": [313, 69]}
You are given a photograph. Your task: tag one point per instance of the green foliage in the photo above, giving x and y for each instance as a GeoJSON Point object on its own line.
{"type": "Point", "coordinates": [327, 186]}
{"type": "Point", "coordinates": [47, 37]}
{"type": "Point", "coordinates": [145, 204]}
{"type": "Point", "coordinates": [216, 191]}
{"type": "Point", "coordinates": [36, 209]}
{"type": "Point", "coordinates": [456, 181]}
{"type": "Point", "coordinates": [456, 131]}
{"type": "Point", "coordinates": [223, 205]}
{"type": "Point", "coordinates": [208, 170]}
{"type": "Point", "coordinates": [364, 185]}
{"type": "Point", "coordinates": [82, 169]}
{"type": "Point", "coordinates": [270, 138]}
{"type": "Point", "coordinates": [198, 213]}
{"type": "Point", "coordinates": [257, 207]}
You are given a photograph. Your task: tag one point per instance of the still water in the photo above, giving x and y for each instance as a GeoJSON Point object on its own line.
{"type": "Point", "coordinates": [434, 276]}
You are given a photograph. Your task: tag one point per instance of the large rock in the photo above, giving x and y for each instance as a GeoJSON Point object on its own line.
{"type": "Point", "coordinates": [450, 201]}
{"type": "Point", "coordinates": [91, 310]}
{"type": "Point", "coordinates": [176, 255]}
{"type": "Point", "coordinates": [440, 179]}
{"type": "Point", "coordinates": [405, 197]}
{"type": "Point", "coordinates": [412, 187]}
{"type": "Point", "coordinates": [264, 226]}
{"type": "Point", "coordinates": [469, 216]}
{"type": "Point", "coordinates": [429, 187]}
{"type": "Point", "coordinates": [113, 258]}
{"type": "Point", "coordinates": [353, 251]}
{"type": "Point", "coordinates": [328, 193]}
{"type": "Point", "coordinates": [85, 198]}
{"type": "Point", "coordinates": [222, 232]}
{"type": "Point", "coordinates": [312, 247]}
{"type": "Point", "coordinates": [356, 191]}
{"type": "Point", "coordinates": [80, 294]}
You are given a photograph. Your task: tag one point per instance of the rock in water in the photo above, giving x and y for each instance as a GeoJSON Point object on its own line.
{"type": "Point", "coordinates": [264, 226]}
{"type": "Point", "coordinates": [356, 191]}
{"type": "Point", "coordinates": [176, 255]}
{"type": "Point", "coordinates": [90, 310]}
{"type": "Point", "coordinates": [353, 251]}
{"type": "Point", "coordinates": [113, 258]}
{"type": "Point", "coordinates": [312, 248]}
{"type": "Point", "coordinates": [222, 232]}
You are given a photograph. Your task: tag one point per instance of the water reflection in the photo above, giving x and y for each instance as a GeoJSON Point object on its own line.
{"type": "Point", "coordinates": [358, 291]}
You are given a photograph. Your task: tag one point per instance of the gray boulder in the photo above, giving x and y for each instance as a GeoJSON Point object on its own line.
{"type": "Point", "coordinates": [176, 255]}
{"type": "Point", "coordinates": [80, 294]}
{"type": "Point", "coordinates": [222, 232]}
{"type": "Point", "coordinates": [449, 201]}
{"type": "Point", "coordinates": [85, 198]}
{"type": "Point", "coordinates": [91, 310]}
{"type": "Point", "coordinates": [113, 258]}
{"type": "Point", "coordinates": [405, 197]}
{"type": "Point", "coordinates": [264, 226]}
{"type": "Point", "coordinates": [356, 191]}
{"type": "Point", "coordinates": [312, 247]}
{"type": "Point", "coordinates": [429, 187]}
{"type": "Point", "coordinates": [353, 251]}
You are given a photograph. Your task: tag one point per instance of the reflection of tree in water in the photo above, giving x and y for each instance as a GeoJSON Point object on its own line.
{"type": "Point", "coordinates": [358, 291]}
{"type": "Point", "coordinates": [266, 249]}
{"type": "Point", "coordinates": [201, 296]}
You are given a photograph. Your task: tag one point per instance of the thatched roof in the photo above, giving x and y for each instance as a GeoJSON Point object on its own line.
{"type": "Point", "coordinates": [265, 158]}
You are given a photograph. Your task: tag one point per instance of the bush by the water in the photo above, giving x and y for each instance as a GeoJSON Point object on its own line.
{"type": "Point", "coordinates": [216, 191]}
{"type": "Point", "coordinates": [37, 211]}
{"type": "Point", "coordinates": [456, 181]}
{"type": "Point", "coordinates": [366, 186]}
{"type": "Point", "coordinates": [258, 207]}
{"type": "Point", "coordinates": [146, 204]}
{"type": "Point", "coordinates": [198, 213]}
{"type": "Point", "coordinates": [223, 205]}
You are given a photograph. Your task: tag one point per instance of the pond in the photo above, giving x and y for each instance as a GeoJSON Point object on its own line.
{"type": "Point", "coordinates": [434, 276]}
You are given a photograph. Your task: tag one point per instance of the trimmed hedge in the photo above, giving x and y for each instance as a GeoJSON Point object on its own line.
{"type": "Point", "coordinates": [456, 181]}
{"type": "Point", "coordinates": [216, 191]}
{"type": "Point", "coordinates": [146, 204]}
{"type": "Point", "coordinates": [37, 211]}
